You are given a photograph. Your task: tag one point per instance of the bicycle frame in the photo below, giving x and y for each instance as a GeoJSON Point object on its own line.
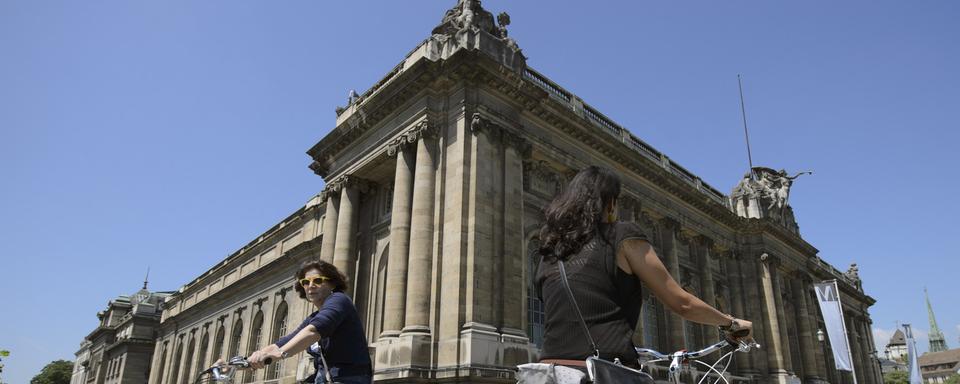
{"type": "Point", "coordinates": [677, 358]}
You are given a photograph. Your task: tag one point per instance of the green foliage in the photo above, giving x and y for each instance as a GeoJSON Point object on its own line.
{"type": "Point", "coordinates": [953, 379]}
{"type": "Point", "coordinates": [57, 372]}
{"type": "Point", "coordinates": [896, 377]}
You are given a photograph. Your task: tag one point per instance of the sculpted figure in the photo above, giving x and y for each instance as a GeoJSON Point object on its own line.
{"type": "Point", "coordinates": [783, 193]}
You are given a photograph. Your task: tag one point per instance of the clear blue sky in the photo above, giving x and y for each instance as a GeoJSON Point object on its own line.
{"type": "Point", "coordinates": [170, 133]}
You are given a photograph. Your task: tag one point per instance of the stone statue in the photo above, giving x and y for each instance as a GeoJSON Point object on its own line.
{"type": "Point", "coordinates": [353, 97]}
{"type": "Point", "coordinates": [782, 193]}
{"type": "Point", "coordinates": [853, 272]}
{"type": "Point", "coordinates": [744, 187]}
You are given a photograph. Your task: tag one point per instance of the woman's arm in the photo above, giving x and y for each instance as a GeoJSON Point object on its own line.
{"type": "Point", "coordinates": [637, 257]}
{"type": "Point", "coordinates": [296, 344]}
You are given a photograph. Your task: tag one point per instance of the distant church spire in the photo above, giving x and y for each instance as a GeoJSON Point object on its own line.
{"type": "Point", "coordinates": [146, 278]}
{"type": "Point", "coordinates": [937, 342]}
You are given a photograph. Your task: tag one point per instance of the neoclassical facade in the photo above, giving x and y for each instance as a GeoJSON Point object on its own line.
{"type": "Point", "coordinates": [436, 178]}
{"type": "Point", "coordinates": [119, 350]}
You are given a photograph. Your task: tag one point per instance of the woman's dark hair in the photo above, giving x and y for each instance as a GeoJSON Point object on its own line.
{"type": "Point", "coordinates": [575, 216]}
{"type": "Point", "coordinates": [326, 269]}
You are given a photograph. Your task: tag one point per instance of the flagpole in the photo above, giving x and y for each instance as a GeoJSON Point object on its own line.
{"type": "Point", "coordinates": [853, 369]}
{"type": "Point", "coordinates": [746, 134]}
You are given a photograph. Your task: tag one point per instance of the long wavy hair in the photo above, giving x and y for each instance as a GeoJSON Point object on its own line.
{"type": "Point", "coordinates": [576, 215]}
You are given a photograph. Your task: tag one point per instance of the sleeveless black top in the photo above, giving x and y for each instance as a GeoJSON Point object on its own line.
{"type": "Point", "coordinates": [609, 299]}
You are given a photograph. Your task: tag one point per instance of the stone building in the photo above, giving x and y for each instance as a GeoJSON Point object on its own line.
{"type": "Point", "coordinates": [120, 349]}
{"type": "Point", "coordinates": [436, 178]}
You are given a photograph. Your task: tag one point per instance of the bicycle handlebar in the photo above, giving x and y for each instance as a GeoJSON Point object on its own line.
{"type": "Point", "coordinates": [678, 357]}
{"type": "Point", "coordinates": [236, 362]}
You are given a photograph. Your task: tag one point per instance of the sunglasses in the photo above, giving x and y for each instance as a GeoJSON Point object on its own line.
{"type": "Point", "coordinates": [316, 280]}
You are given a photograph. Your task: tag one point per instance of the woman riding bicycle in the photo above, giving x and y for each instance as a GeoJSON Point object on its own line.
{"type": "Point", "coordinates": [335, 325]}
{"type": "Point", "coordinates": [605, 262]}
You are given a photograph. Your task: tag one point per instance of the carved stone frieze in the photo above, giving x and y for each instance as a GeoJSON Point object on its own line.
{"type": "Point", "coordinates": [541, 179]}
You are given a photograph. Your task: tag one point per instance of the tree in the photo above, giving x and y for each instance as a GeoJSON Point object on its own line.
{"type": "Point", "coordinates": [896, 377]}
{"type": "Point", "coordinates": [57, 372]}
{"type": "Point", "coordinates": [953, 379]}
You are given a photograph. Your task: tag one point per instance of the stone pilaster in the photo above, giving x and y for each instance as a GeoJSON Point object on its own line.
{"type": "Point", "coordinates": [668, 233]}
{"type": "Point", "coordinates": [707, 284]}
{"type": "Point", "coordinates": [855, 349]}
{"type": "Point", "coordinates": [775, 356]}
{"type": "Point", "coordinates": [514, 338]}
{"type": "Point", "coordinates": [736, 278]}
{"type": "Point", "coordinates": [807, 337]}
{"type": "Point", "coordinates": [328, 244]}
{"type": "Point", "coordinates": [396, 289]}
{"type": "Point", "coordinates": [782, 320]}
{"type": "Point", "coordinates": [479, 338]}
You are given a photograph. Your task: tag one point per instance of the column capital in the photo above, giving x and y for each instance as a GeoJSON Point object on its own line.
{"type": "Point", "coordinates": [424, 129]}
{"type": "Point", "coordinates": [337, 185]}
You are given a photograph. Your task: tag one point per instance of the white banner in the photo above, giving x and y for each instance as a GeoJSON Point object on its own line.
{"type": "Point", "coordinates": [829, 298]}
{"type": "Point", "coordinates": [912, 356]}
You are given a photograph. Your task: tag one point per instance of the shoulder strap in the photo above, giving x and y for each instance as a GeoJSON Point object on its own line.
{"type": "Point", "coordinates": [573, 301]}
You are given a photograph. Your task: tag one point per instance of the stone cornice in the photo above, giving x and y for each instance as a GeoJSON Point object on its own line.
{"type": "Point", "coordinates": [402, 87]}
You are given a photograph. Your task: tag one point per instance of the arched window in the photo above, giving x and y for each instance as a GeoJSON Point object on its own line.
{"type": "Point", "coordinates": [535, 311]}
{"type": "Point", "coordinates": [191, 347]}
{"type": "Point", "coordinates": [163, 362]}
{"type": "Point", "coordinates": [651, 322]}
{"type": "Point", "coordinates": [202, 354]}
{"type": "Point", "coordinates": [279, 330]}
{"type": "Point", "coordinates": [218, 342]}
{"type": "Point", "coordinates": [175, 373]}
{"type": "Point", "coordinates": [254, 343]}
{"type": "Point", "coordinates": [235, 340]}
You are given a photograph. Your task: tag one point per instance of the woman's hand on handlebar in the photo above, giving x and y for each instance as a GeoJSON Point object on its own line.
{"type": "Point", "coordinates": [265, 356]}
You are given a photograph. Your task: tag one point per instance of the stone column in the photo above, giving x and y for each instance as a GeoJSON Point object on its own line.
{"type": "Point", "coordinates": [421, 238]}
{"type": "Point", "coordinates": [813, 311]}
{"type": "Point", "coordinates": [329, 240]}
{"type": "Point", "coordinates": [668, 232]}
{"type": "Point", "coordinates": [771, 320]}
{"type": "Point", "coordinates": [345, 250]}
{"type": "Point", "coordinates": [396, 288]}
{"type": "Point", "coordinates": [417, 321]}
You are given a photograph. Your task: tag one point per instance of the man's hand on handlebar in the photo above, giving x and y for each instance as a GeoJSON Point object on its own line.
{"type": "Point", "coordinates": [741, 331]}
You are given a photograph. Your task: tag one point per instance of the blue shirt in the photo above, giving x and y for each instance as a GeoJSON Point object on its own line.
{"type": "Point", "coordinates": [342, 340]}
